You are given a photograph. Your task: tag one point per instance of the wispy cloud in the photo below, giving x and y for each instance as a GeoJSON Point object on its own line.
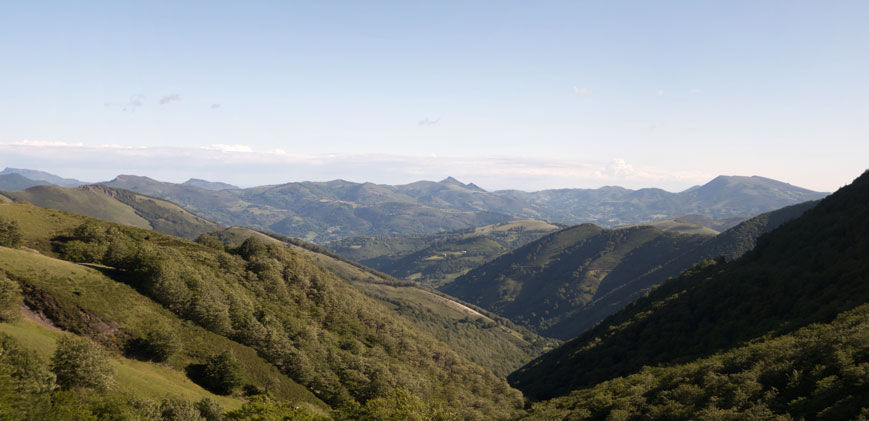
{"type": "Point", "coordinates": [229, 148]}
{"type": "Point", "coordinates": [135, 102]}
{"type": "Point", "coordinates": [695, 91]}
{"type": "Point", "coordinates": [215, 106]}
{"type": "Point", "coordinates": [660, 92]}
{"type": "Point", "coordinates": [581, 92]}
{"type": "Point", "coordinates": [427, 122]}
{"type": "Point", "coordinates": [654, 126]}
{"type": "Point", "coordinates": [166, 99]}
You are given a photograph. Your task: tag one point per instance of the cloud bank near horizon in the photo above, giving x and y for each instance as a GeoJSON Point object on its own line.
{"type": "Point", "coordinates": [242, 165]}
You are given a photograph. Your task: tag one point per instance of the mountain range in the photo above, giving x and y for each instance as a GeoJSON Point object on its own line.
{"type": "Point", "coordinates": [335, 210]}
{"type": "Point", "coordinates": [779, 332]}
{"type": "Point", "coordinates": [568, 281]}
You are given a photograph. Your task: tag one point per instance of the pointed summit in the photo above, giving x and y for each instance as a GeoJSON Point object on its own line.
{"type": "Point", "coordinates": [450, 181]}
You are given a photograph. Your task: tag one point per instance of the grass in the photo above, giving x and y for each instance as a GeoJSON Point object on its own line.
{"type": "Point", "coordinates": [142, 379]}
{"type": "Point", "coordinates": [81, 288]}
{"type": "Point", "coordinates": [83, 202]}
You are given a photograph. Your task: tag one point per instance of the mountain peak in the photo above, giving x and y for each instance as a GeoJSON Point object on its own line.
{"type": "Point", "coordinates": [208, 185]}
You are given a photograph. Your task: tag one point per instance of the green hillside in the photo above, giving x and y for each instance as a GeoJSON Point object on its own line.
{"type": "Point", "coordinates": [817, 372]}
{"type": "Point", "coordinates": [810, 270]}
{"type": "Point", "coordinates": [476, 334]}
{"type": "Point", "coordinates": [437, 259]}
{"type": "Point", "coordinates": [119, 206]}
{"type": "Point", "coordinates": [310, 325]}
{"type": "Point", "coordinates": [569, 281]}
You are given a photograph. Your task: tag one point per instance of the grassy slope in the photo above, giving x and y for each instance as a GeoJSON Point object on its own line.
{"type": "Point", "coordinates": [807, 271]}
{"type": "Point", "coordinates": [142, 379]}
{"type": "Point", "coordinates": [94, 304]}
{"type": "Point", "coordinates": [82, 202]}
{"type": "Point", "coordinates": [408, 355]}
{"type": "Point", "coordinates": [119, 206]}
{"type": "Point", "coordinates": [476, 334]}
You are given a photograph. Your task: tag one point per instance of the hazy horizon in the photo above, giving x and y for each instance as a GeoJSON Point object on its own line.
{"type": "Point", "coordinates": [554, 95]}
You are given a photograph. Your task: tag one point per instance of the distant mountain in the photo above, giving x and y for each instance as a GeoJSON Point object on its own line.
{"type": "Point", "coordinates": [48, 178]}
{"type": "Point", "coordinates": [808, 271]}
{"type": "Point", "coordinates": [570, 280]}
{"type": "Point", "coordinates": [437, 259]}
{"type": "Point", "coordinates": [119, 206]}
{"type": "Point", "coordinates": [723, 197]}
{"type": "Point", "coordinates": [15, 181]}
{"type": "Point", "coordinates": [208, 185]}
{"type": "Point", "coordinates": [334, 210]}
{"type": "Point", "coordinates": [320, 211]}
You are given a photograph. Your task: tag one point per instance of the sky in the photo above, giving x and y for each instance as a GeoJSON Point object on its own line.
{"type": "Point", "coordinates": [527, 95]}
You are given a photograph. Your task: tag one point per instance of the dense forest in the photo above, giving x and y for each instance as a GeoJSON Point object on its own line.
{"type": "Point", "coordinates": [808, 272]}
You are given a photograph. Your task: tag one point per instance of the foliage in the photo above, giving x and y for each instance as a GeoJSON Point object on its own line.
{"type": "Point", "coordinates": [10, 299]}
{"type": "Point", "coordinates": [78, 362]}
{"type": "Point", "coordinates": [263, 408]}
{"type": "Point", "coordinates": [397, 405]}
{"type": "Point", "coordinates": [311, 325]}
{"type": "Point", "coordinates": [10, 234]}
{"type": "Point", "coordinates": [807, 271]}
{"type": "Point", "coordinates": [179, 410]}
{"type": "Point", "coordinates": [222, 373]}
{"type": "Point", "coordinates": [582, 274]}
{"type": "Point", "coordinates": [818, 372]}
{"type": "Point", "coordinates": [159, 343]}
{"type": "Point", "coordinates": [210, 409]}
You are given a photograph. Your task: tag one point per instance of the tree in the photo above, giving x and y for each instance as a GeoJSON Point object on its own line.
{"type": "Point", "coordinates": [10, 235]}
{"type": "Point", "coordinates": [222, 373]}
{"type": "Point", "coordinates": [78, 362]}
{"type": "Point", "coordinates": [10, 299]}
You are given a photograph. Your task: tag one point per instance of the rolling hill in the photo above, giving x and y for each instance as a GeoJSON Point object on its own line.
{"type": "Point", "coordinates": [785, 324]}
{"type": "Point", "coordinates": [437, 259]}
{"type": "Point", "coordinates": [481, 336]}
{"type": "Point", "coordinates": [15, 181]}
{"type": "Point", "coordinates": [311, 326]}
{"type": "Point", "coordinates": [119, 206]}
{"type": "Point", "coordinates": [43, 177]}
{"type": "Point", "coordinates": [570, 280]}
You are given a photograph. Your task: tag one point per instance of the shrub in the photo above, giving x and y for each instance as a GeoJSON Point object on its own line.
{"type": "Point", "coordinates": [10, 236]}
{"type": "Point", "coordinates": [222, 373]}
{"type": "Point", "coordinates": [179, 410]}
{"type": "Point", "coordinates": [210, 409]}
{"type": "Point", "coordinates": [78, 362]}
{"type": "Point", "coordinates": [10, 299]}
{"type": "Point", "coordinates": [159, 343]}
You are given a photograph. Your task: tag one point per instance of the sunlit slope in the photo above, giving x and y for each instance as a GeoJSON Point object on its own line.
{"type": "Point", "coordinates": [119, 206]}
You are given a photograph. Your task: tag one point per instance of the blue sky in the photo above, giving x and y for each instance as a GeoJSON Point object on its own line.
{"type": "Point", "coordinates": [506, 94]}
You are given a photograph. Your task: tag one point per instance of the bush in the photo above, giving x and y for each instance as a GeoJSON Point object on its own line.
{"type": "Point", "coordinates": [222, 374]}
{"type": "Point", "coordinates": [10, 235]}
{"type": "Point", "coordinates": [210, 409]}
{"type": "Point", "coordinates": [10, 299]}
{"type": "Point", "coordinates": [179, 410]}
{"type": "Point", "coordinates": [78, 362]}
{"type": "Point", "coordinates": [159, 343]}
